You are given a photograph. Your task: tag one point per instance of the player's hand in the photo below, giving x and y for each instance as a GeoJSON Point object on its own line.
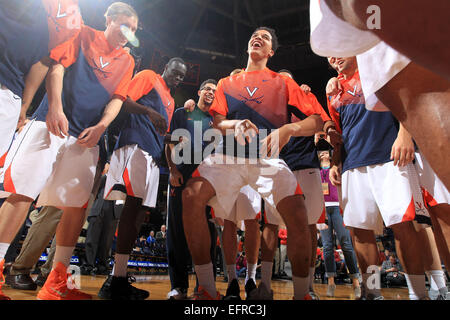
{"type": "Point", "coordinates": [57, 123]}
{"type": "Point", "coordinates": [22, 120]}
{"type": "Point", "coordinates": [89, 137]}
{"type": "Point", "coordinates": [333, 87]}
{"type": "Point", "coordinates": [175, 178]}
{"type": "Point", "coordinates": [335, 175]}
{"type": "Point", "coordinates": [244, 131]}
{"type": "Point", "coordinates": [306, 89]}
{"type": "Point", "coordinates": [105, 169]}
{"type": "Point", "coordinates": [335, 137]}
{"type": "Point", "coordinates": [189, 105]}
{"type": "Point", "coordinates": [159, 122]}
{"type": "Point", "coordinates": [402, 151]}
{"type": "Point", "coordinates": [274, 142]}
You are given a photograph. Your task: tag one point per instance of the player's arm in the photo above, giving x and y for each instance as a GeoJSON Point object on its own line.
{"type": "Point", "coordinates": [157, 119]}
{"type": "Point", "coordinates": [89, 137]}
{"type": "Point", "coordinates": [175, 178]}
{"type": "Point", "coordinates": [56, 120]}
{"type": "Point", "coordinates": [244, 130]}
{"type": "Point", "coordinates": [402, 151]}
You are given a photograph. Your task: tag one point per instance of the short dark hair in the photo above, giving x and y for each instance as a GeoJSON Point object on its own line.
{"type": "Point", "coordinates": [176, 59]}
{"type": "Point", "coordinates": [272, 34]}
{"type": "Point", "coordinates": [204, 83]}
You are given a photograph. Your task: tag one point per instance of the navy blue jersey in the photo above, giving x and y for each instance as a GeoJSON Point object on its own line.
{"type": "Point", "coordinates": [148, 89]}
{"type": "Point", "coordinates": [24, 40]}
{"type": "Point", "coordinates": [368, 135]}
{"type": "Point", "coordinates": [196, 123]}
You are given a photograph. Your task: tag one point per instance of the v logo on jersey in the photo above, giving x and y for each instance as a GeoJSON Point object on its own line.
{"type": "Point", "coordinates": [60, 15]}
{"type": "Point", "coordinates": [103, 65]}
{"type": "Point", "coordinates": [354, 91]}
{"type": "Point", "coordinates": [251, 93]}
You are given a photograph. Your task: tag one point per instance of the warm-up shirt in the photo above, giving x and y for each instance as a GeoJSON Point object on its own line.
{"type": "Point", "coordinates": [368, 135]}
{"type": "Point", "coordinates": [150, 90]}
{"type": "Point", "coordinates": [94, 74]}
{"type": "Point", "coordinates": [264, 97]}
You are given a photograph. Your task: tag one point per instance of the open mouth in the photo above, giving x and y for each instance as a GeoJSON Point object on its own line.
{"type": "Point", "coordinates": [256, 45]}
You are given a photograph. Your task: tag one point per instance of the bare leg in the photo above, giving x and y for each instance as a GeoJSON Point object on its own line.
{"type": "Point", "coordinates": [252, 241]}
{"type": "Point", "coordinates": [12, 216]}
{"type": "Point", "coordinates": [440, 217]}
{"type": "Point", "coordinates": [230, 242]}
{"type": "Point", "coordinates": [69, 227]}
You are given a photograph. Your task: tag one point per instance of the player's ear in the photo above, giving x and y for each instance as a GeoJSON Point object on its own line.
{"type": "Point", "coordinates": [199, 92]}
{"type": "Point", "coordinates": [271, 53]}
{"type": "Point", "coordinates": [109, 19]}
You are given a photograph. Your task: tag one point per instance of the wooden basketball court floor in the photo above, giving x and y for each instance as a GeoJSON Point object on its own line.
{"type": "Point", "coordinates": [159, 286]}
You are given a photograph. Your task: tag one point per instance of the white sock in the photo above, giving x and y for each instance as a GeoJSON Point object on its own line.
{"type": "Point", "coordinates": [311, 278]}
{"type": "Point", "coordinates": [3, 248]}
{"type": "Point", "coordinates": [63, 255]}
{"type": "Point", "coordinates": [266, 274]}
{"type": "Point", "coordinates": [205, 278]}
{"type": "Point", "coordinates": [251, 272]}
{"type": "Point", "coordinates": [120, 265]}
{"type": "Point", "coordinates": [437, 279]}
{"type": "Point", "coordinates": [416, 286]}
{"type": "Point", "coordinates": [374, 291]}
{"type": "Point", "coordinates": [301, 287]}
{"type": "Point", "coordinates": [231, 271]}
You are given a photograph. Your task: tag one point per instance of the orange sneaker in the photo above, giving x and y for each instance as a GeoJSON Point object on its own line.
{"type": "Point", "coordinates": [2, 281]}
{"type": "Point", "coordinates": [202, 294]}
{"type": "Point", "coordinates": [55, 288]}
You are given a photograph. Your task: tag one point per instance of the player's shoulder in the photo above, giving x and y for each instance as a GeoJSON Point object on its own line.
{"type": "Point", "coordinates": [146, 73]}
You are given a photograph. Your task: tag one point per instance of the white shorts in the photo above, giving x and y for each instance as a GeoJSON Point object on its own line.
{"type": "Point", "coordinates": [10, 105]}
{"type": "Point", "coordinates": [378, 63]}
{"type": "Point", "coordinates": [246, 207]}
{"type": "Point", "coordinates": [57, 169]}
{"type": "Point", "coordinates": [271, 178]}
{"type": "Point", "coordinates": [132, 172]}
{"type": "Point", "coordinates": [387, 190]}
{"type": "Point", "coordinates": [311, 185]}
{"type": "Point", "coordinates": [433, 189]}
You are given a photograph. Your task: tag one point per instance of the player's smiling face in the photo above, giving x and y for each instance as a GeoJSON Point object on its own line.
{"type": "Point", "coordinates": [207, 94]}
{"type": "Point", "coordinates": [114, 33]}
{"type": "Point", "coordinates": [260, 44]}
{"type": "Point", "coordinates": [344, 64]}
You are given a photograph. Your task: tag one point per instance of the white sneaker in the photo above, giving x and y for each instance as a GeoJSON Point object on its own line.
{"type": "Point", "coordinates": [177, 294]}
{"type": "Point", "coordinates": [330, 290]}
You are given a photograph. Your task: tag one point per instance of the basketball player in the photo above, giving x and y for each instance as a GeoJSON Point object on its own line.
{"type": "Point", "coordinates": [244, 107]}
{"type": "Point", "coordinates": [369, 179]}
{"type": "Point", "coordinates": [422, 106]}
{"type": "Point", "coordinates": [134, 169]}
{"type": "Point", "coordinates": [90, 71]}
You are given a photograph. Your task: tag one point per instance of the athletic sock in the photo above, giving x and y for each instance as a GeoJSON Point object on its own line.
{"type": "Point", "coordinates": [120, 265]}
{"type": "Point", "coordinates": [416, 286]}
{"type": "Point", "coordinates": [301, 287]}
{"type": "Point", "coordinates": [3, 249]}
{"type": "Point", "coordinates": [231, 271]}
{"type": "Point", "coordinates": [63, 255]}
{"type": "Point", "coordinates": [266, 273]}
{"type": "Point", "coordinates": [251, 272]}
{"type": "Point", "coordinates": [205, 278]}
{"type": "Point", "coordinates": [437, 279]}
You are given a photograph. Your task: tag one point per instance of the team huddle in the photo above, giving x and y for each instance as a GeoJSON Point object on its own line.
{"type": "Point", "coordinates": [248, 140]}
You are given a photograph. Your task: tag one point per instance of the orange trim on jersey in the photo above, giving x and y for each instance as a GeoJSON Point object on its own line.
{"type": "Point", "coordinates": [212, 213]}
{"type": "Point", "coordinates": [196, 173]}
{"type": "Point", "coordinates": [110, 190]}
{"type": "Point", "coordinates": [127, 182]}
{"type": "Point", "coordinates": [428, 198]}
{"type": "Point", "coordinates": [141, 84]}
{"type": "Point", "coordinates": [410, 213]}
{"type": "Point", "coordinates": [3, 159]}
{"type": "Point", "coordinates": [85, 205]}
{"type": "Point", "coordinates": [8, 183]}
{"type": "Point", "coordinates": [298, 190]}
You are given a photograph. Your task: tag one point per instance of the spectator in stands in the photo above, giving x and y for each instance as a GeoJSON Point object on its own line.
{"type": "Point", "coordinates": [161, 234]}
{"type": "Point", "coordinates": [241, 265]}
{"type": "Point", "coordinates": [151, 239]}
{"type": "Point", "coordinates": [282, 235]}
{"type": "Point", "coordinates": [392, 273]}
